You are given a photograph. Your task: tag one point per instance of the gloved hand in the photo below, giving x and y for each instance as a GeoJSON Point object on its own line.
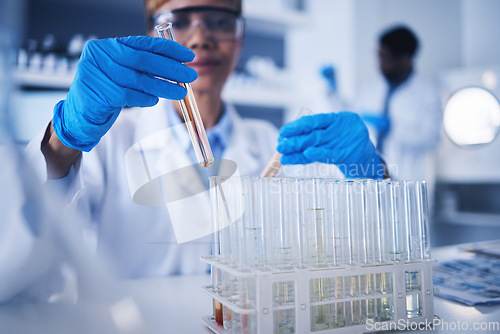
{"type": "Point", "coordinates": [336, 138]}
{"type": "Point", "coordinates": [381, 123]}
{"type": "Point", "coordinates": [328, 72]}
{"type": "Point", "coordinates": [115, 73]}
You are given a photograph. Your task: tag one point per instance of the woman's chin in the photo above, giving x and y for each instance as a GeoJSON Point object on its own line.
{"type": "Point", "coordinates": [206, 87]}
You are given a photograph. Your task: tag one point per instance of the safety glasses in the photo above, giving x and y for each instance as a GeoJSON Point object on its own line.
{"type": "Point", "coordinates": [220, 24]}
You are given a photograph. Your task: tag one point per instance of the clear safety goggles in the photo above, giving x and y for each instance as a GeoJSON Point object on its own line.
{"type": "Point", "coordinates": [221, 24]}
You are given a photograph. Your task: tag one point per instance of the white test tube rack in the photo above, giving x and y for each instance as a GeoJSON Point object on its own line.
{"type": "Point", "coordinates": [266, 310]}
{"type": "Point", "coordinates": [352, 298]}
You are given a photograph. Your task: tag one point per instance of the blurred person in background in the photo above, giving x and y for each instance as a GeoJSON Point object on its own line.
{"type": "Point", "coordinates": [402, 109]}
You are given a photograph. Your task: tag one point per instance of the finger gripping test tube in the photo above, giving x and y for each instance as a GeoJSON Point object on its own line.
{"type": "Point", "coordinates": [190, 112]}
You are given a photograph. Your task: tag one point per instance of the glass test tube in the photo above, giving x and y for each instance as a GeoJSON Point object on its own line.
{"type": "Point", "coordinates": [414, 221]}
{"type": "Point", "coordinates": [320, 245]}
{"type": "Point", "coordinates": [399, 217]}
{"type": "Point", "coordinates": [280, 222]}
{"type": "Point", "coordinates": [274, 164]}
{"type": "Point", "coordinates": [223, 218]}
{"type": "Point", "coordinates": [357, 222]}
{"type": "Point", "coordinates": [237, 228]}
{"type": "Point", "coordinates": [387, 228]}
{"type": "Point", "coordinates": [338, 315]}
{"type": "Point", "coordinates": [283, 293]}
{"type": "Point", "coordinates": [216, 251]}
{"type": "Point", "coordinates": [373, 227]}
{"type": "Point", "coordinates": [284, 321]}
{"type": "Point", "coordinates": [318, 231]}
{"type": "Point", "coordinates": [190, 112]}
{"type": "Point", "coordinates": [290, 220]}
{"type": "Point", "coordinates": [253, 215]}
{"type": "Point", "coordinates": [281, 233]}
{"type": "Point", "coordinates": [413, 305]}
{"type": "Point", "coordinates": [329, 215]}
{"type": "Point", "coordinates": [350, 233]}
{"type": "Point", "coordinates": [424, 224]}
{"type": "Point", "coordinates": [341, 224]}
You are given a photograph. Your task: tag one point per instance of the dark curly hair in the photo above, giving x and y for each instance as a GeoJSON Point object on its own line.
{"type": "Point", "coordinates": [400, 41]}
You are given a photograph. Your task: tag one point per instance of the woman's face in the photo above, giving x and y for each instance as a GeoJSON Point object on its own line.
{"type": "Point", "coordinates": [215, 59]}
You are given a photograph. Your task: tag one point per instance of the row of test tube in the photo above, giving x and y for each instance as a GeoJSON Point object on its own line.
{"type": "Point", "coordinates": [285, 223]}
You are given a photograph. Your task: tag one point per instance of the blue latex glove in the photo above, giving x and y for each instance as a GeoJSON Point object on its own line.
{"type": "Point", "coordinates": [381, 123]}
{"type": "Point", "coordinates": [117, 73]}
{"type": "Point", "coordinates": [337, 138]}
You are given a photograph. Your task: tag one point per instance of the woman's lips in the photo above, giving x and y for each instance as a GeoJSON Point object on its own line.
{"type": "Point", "coordinates": [203, 65]}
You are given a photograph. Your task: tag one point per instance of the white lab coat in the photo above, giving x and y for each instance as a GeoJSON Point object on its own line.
{"type": "Point", "coordinates": [415, 113]}
{"type": "Point", "coordinates": [139, 239]}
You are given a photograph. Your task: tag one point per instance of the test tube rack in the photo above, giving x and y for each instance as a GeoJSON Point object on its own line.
{"type": "Point", "coordinates": [319, 255]}
{"type": "Point", "coordinates": [355, 299]}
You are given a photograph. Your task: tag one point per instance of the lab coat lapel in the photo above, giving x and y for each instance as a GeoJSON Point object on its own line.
{"type": "Point", "coordinates": [175, 157]}
{"type": "Point", "coordinates": [158, 149]}
{"type": "Point", "coordinates": [240, 148]}
{"type": "Point", "coordinates": [153, 124]}
{"type": "Point", "coordinates": [172, 180]}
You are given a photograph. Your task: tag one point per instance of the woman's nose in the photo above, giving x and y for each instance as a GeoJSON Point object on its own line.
{"type": "Point", "coordinates": [200, 38]}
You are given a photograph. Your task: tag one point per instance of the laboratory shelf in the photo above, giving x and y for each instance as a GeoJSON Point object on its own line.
{"type": "Point", "coordinates": [274, 19]}
{"type": "Point", "coordinates": [260, 96]}
{"type": "Point", "coordinates": [252, 96]}
{"type": "Point", "coordinates": [43, 80]}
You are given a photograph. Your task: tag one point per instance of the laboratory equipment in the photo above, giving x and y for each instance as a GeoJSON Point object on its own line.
{"type": "Point", "coordinates": [315, 254]}
{"type": "Point", "coordinates": [472, 116]}
{"type": "Point", "coordinates": [190, 112]}
{"type": "Point", "coordinates": [274, 164]}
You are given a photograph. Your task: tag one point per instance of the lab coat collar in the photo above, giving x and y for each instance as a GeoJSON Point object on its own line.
{"type": "Point", "coordinates": [222, 129]}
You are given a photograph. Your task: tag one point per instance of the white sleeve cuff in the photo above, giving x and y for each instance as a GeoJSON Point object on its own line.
{"type": "Point", "coordinates": [69, 187]}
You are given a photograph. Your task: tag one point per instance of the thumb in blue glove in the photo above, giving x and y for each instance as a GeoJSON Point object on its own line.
{"type": "Point", "coordinates": [336, 138]}
{"type": "Point", "coordinates": [381, 123]}
{"type": "Point", "coordinates": [117, 73]}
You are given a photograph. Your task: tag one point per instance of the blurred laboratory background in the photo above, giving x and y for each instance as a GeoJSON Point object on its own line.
{"type": "Point", "coordinates": [288, 46]}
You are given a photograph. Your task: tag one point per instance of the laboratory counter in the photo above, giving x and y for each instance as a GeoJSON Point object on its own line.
{"type": "Point", "coordinates": [177, 304]}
